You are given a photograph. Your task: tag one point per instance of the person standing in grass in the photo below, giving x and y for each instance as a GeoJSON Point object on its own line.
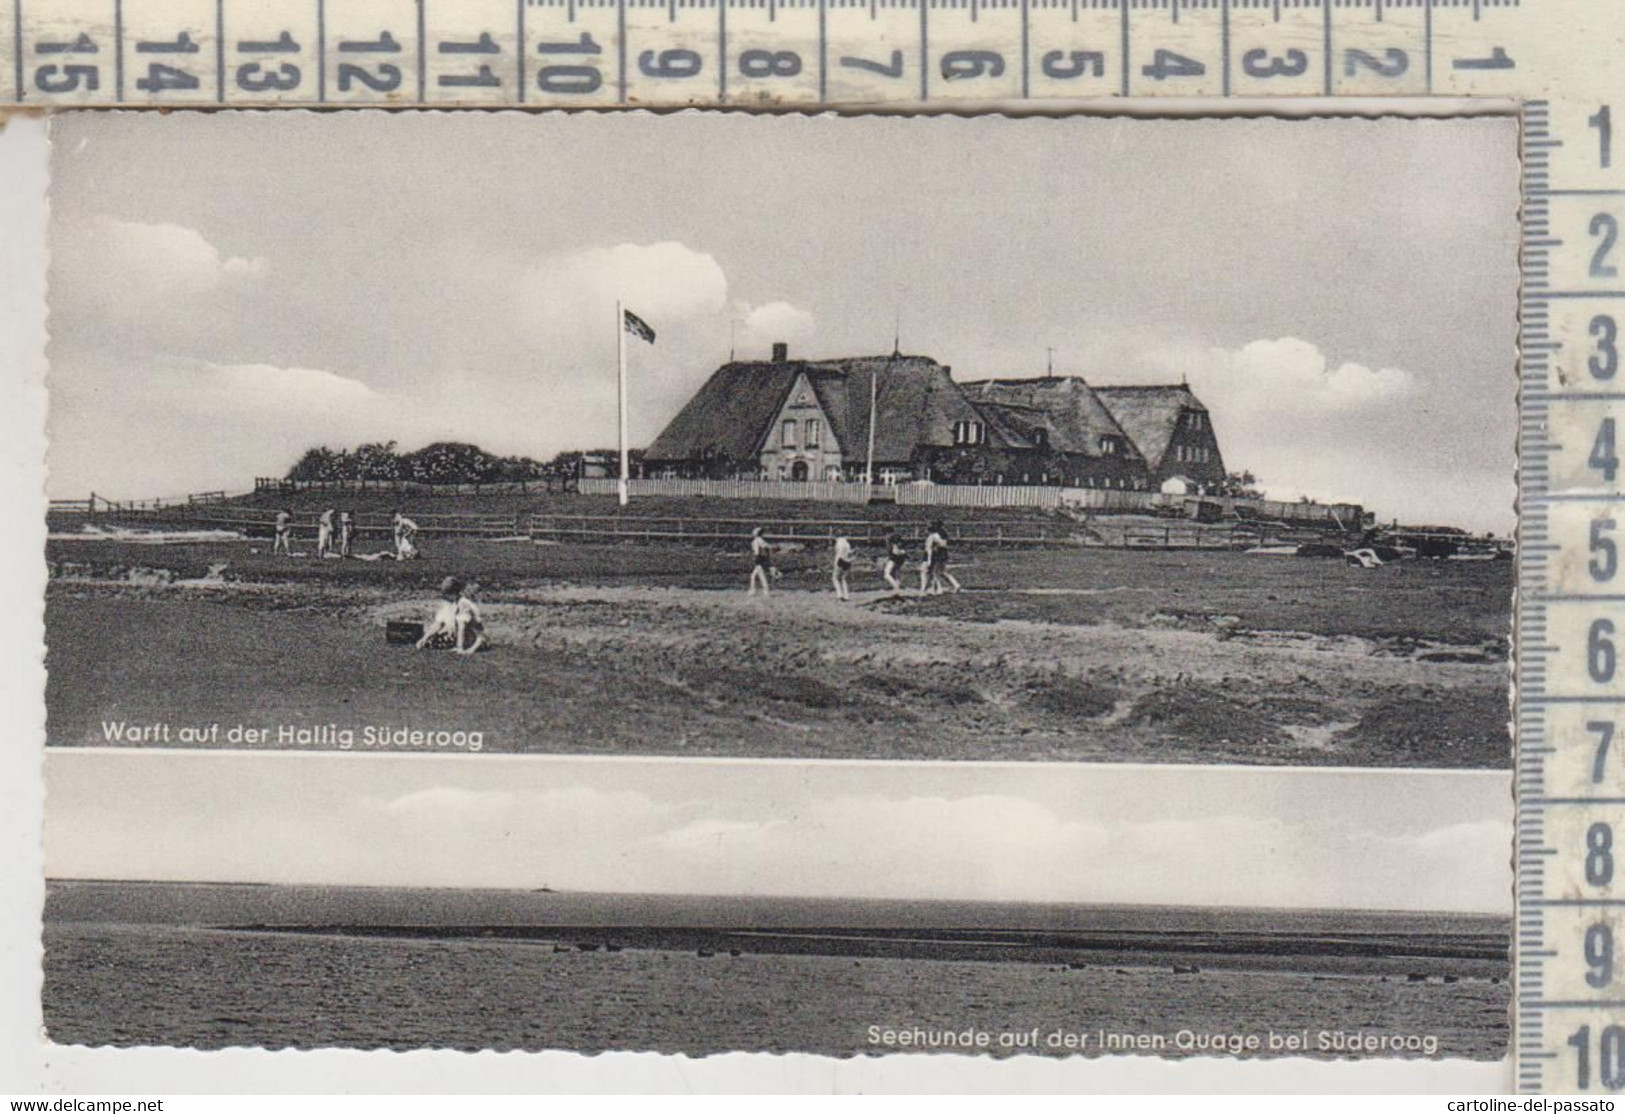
{"type": "Point", "coordinates": [843, 566]}
{"type": "Point", "coordinates": [324, 533]}
{"type": "Point", "coordinates": [925, 562]}
{"type": "Point", "coordinates": [406, 532]}
{"type": "Point", "coordinates": [283, 542]}
{"type": "Point", "coordinates": [346, 534]}
{"type": "Point", "coordinates": [896, 558]}
{"type": "Point", "coordinates": [934, 570]}
{"type": "Point", "coordinates": [761, 562]}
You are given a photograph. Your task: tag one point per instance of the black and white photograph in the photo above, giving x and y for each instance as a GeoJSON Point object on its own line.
{"type": "Point", "coordinates": [211, 900]}
{"type": "Point", "coordinates": [715, 435]}
{"type": "Point", "coordinates": [706, 583]}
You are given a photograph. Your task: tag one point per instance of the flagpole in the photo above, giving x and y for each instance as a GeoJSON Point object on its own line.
{"type": "Point", "coordinates": [620, 398]}
{"type": "Point", "coordinates": [874, 397]}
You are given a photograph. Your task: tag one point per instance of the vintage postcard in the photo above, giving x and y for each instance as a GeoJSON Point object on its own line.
{"type": "Point", "coordinates": [718, 583]}
{"type": "Point", "coordinates": [1060, 439]}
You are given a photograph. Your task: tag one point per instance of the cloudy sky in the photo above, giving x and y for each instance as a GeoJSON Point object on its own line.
{"type": "Point", "coordinates": [1379, 839]}
{"type": "Point", "coordinates": [228, 289]}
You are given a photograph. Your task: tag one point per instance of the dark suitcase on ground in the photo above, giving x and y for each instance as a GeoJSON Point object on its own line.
{"type": "Point", "coordinates": [400, 633]}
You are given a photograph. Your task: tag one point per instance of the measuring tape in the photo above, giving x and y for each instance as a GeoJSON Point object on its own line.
{"type": "Point", "coordinates": [793, 53]}
{"type": "Point", "coordinates": [1563, 60]}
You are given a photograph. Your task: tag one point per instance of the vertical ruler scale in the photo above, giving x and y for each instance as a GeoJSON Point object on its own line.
{"type": "Point", "coordinates": [1561, 59]}
{"type": "Point", "coordinates": [1570, 1003]}
{"type": "Point", "coordinates": [1571, 774]}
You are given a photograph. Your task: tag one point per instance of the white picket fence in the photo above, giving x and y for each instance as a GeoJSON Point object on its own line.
{"type": "Point", "coordinates": [820, 491]}
{"type": "Point", "coordinates": [964, 495]}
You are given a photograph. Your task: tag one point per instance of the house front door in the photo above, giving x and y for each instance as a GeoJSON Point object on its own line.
{"type": "Point", "coordinates": [798, 471]}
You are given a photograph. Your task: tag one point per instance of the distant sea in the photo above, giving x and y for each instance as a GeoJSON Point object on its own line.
{"type": "Point", "coordinates": [213, 966]}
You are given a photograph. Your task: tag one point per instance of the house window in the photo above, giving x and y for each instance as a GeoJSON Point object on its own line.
{"type": "Point", "coordinates": [815, 429]}
{"type": "Point", "coordinates": [967, 433]}
{"type": "Point", "coordinates": [1108, 446]}
{"type": "Point", "coordinates": [787, 436]}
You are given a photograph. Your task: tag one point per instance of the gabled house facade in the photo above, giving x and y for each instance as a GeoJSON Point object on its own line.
{"type": "Point", "coordinates": [801, 443]}
{"type": "Point", "coordinates": [1174, 432]}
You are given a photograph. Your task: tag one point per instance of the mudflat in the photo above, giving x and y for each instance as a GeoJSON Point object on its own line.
{"type": "Point", "coordinates": [1056, 654]}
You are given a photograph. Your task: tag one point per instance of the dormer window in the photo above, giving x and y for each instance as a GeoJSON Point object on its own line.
{"type": "Point", "coordinates": [1108, 446]}
{"type": "Point", "coordinates": [968, 433]}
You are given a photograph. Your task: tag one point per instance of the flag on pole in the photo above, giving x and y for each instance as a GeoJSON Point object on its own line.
{"type": "Point", "coordinates": [638, 327]}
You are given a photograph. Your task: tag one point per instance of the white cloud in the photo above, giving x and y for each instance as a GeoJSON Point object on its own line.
{"type": "Point", "coordinates": [258, 385]}
{"type": "Point", "coordinates": [873, 846]}
{"type": "Point", "coordinates": [1342, 431]}
{"type": "Point", "coordinates": [1285, 376]}
{"type": "Point", "coordinates": [662, 282]}
{"type": "Point", "coordinates": [143, 287]}
{"type": "Point", "coordinates": [183, 425]}
{"type": "Point", "coordinates": [164, 257]}
{"type": "Point", "coordinates": [776, 321]}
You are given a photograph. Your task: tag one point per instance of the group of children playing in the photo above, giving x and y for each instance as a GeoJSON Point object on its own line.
{"type": "Point", "coordinates": [935, 579]}
{"type": "Point", "coordinates": [336, 532]}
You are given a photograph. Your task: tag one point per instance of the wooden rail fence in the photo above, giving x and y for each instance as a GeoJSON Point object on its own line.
{"type": "Point", "coordinates": [213, 511]}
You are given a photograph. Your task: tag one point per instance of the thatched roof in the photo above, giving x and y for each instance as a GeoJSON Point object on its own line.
{"type": "Point", "coordinates": [732, 414]}
{"type": "Point", "coordinates": [1064, 407]}
{"type": "Point", "coordinates": [1150, 414]}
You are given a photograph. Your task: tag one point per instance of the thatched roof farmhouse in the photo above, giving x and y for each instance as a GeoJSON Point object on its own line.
{"type": "Point", "coordinates": [1062, 415]}
{"type": "Point", "coordinates": [809, 420]}
{"type": "Point", "coordinates": [1172, 429]}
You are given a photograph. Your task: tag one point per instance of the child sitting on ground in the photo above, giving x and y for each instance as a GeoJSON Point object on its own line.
{"type": "Point", "coordinates": [441, 632]}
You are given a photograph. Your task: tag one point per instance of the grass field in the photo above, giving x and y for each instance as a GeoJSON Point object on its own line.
{"type": "Point", "coordinates": [1048, 654]}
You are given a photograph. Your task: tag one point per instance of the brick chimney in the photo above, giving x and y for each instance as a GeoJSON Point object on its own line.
{"type": "Point", "coordinates": [781, 351]}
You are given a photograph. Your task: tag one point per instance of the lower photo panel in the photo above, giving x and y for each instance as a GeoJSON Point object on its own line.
{"type": "Point", "coordinates": [269, 899]}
